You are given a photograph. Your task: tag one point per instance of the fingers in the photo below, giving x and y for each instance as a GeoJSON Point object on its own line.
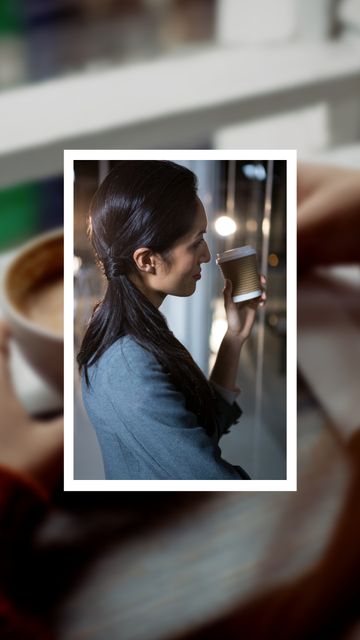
{"type": "Point", "coordinates": [227, 291]}
{"type": "Point", "coordinates": [12, 410]}
{"type": "Point", "coordinates": [262, 299]}
{"type": "Point", "coordinates": [257, 302]}
{"type": "Point", "coordinates": [4, 339]}
{"type": "Point", "coordinates": [254, 303]}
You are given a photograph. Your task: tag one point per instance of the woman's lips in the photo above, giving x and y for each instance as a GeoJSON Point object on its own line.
{"type": "Point", "coordinates": [197, 276]}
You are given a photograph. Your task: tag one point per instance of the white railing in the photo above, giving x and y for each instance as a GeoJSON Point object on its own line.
{"type": "Point", "coordinates": [176, 101]}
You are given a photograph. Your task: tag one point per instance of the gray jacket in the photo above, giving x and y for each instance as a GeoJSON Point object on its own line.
{"type": "Point", "coordinates": [142, 424]}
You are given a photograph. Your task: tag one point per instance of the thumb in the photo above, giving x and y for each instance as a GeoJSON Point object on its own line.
{"type": "Point", "coordinates": [5, 376]}
{"type": "Point", "coordinates": [227, 291]}
{"type": "Point", "coordinates": [227, 287]}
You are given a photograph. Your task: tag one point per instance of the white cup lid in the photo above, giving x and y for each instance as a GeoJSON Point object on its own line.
{"type": "Point", "coordinates": [232, 254]}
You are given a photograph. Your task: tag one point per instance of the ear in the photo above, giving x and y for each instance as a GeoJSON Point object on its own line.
{"type": "Point", "coordinates": [145, 260]}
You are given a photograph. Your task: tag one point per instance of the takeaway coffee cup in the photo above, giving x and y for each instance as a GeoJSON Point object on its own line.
{"type": "Point", "coordinates": [32, 302]}
{"type": "Point", "coordinates": [239, 266]}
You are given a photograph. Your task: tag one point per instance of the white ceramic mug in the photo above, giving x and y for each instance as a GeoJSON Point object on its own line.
{"type": "Point", "coordinates": [36, 270]}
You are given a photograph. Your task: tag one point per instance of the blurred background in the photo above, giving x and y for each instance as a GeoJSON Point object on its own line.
{"type": "Point", "coordinates": [233, 193]}
{"type": "Point", "coordinates": [174, 73]}
{"type": "Point", "coordinates": [168, 74]}
{"type": "Point", "coordinates": [191, 74]}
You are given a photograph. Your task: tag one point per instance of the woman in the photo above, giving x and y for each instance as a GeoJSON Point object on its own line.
{"type": "Point", "coordinates": [155, 414]}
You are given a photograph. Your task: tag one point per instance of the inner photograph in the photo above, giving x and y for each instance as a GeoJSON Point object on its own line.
{"type": "Point", "coordinates": [180, 331]}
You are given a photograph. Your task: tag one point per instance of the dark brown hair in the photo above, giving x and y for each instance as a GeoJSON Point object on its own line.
{"type": "Point", "coordinates": [150, 204]}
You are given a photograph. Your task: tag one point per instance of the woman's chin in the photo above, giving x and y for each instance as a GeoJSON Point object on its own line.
{"type": "Point", "coordinates": [192, 289]}
{"type": "Point", "coordinates": [185, 292]}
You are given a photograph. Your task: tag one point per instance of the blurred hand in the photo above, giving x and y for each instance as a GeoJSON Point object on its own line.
{"type": "Point", "coordinates": [28, 446]}
{"type": "Point", "coordinates": [328, 216]}
{"type": "Point", "coordinates": [241, 315]}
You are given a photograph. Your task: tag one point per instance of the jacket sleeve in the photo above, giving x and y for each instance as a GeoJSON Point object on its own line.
{"type": "Point", "coordinates": [227, 410]}
{"type": "Point", "coordinates": [156, 423]}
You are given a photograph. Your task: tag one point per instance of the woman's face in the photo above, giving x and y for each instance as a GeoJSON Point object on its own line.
{"type": "Point", "coordinates": [179, 278]}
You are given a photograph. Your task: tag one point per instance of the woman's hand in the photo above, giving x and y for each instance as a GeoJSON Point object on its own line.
{"type": "Point", "coordinates": [27, 446]}
{"type": "Point", "coordinates": [241, 315]}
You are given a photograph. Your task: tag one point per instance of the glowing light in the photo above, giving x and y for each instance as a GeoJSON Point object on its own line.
{"type": "Point", "coordinates": [273, 320]}
{"type": "Point", "coordinates": [266, 226]}
{"type": "Point", "coordinates": [273, 260]}
{"type": "Point", "coordinates": [77, 264]}
{"type": "Point", "coordinates": [225, 226]}
{"type": "Point", "coordinates": [254, 171]}
{"type": "Point", "coordinates": [218, 330]}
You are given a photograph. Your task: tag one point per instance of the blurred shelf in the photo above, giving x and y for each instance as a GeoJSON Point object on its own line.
{"type": "Point", "coordinates": [168, 101]}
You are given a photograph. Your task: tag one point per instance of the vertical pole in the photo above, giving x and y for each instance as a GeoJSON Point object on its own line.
{"type": "Point", "coordinates": [230, 197]}
{"type": "Point", "coordinates": [266, 224]}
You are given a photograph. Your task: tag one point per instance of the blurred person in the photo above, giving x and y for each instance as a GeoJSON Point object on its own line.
{"type": "Point", "coordinates": [321, 603]}
{"type": "Point", "coordinates": [155, 414]}
{"type": "Point", "coordinates": [47, 537]}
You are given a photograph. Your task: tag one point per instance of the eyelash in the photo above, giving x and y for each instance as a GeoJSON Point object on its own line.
{"type": "Point", "coordinates": [197, 244]}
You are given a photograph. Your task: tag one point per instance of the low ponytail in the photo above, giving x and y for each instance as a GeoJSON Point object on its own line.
{"type": "Point", "coordinates": [152, 204]}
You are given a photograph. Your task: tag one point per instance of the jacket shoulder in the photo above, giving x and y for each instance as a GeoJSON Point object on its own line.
{"type": "Point", "coordinates": [127, 357]}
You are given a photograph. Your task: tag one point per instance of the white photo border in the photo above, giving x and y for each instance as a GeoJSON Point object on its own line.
{"type": "Point", "coordinates": [288, 484]}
